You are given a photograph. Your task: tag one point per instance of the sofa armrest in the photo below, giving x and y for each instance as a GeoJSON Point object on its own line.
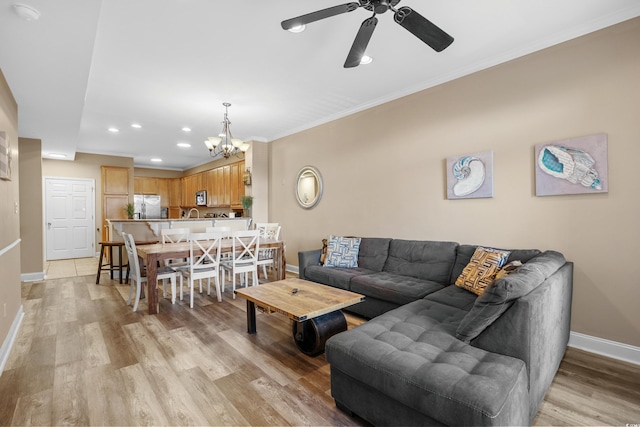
{"type": "Point", "coordinates": [307, 258]}
{"type": "Point", "coordinates": [536, 330]}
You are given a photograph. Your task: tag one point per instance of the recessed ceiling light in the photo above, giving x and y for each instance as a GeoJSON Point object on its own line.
{"type": "Point", "coordinates": [114, 130]}
{"type": "Point", "coordinates": [156, 160]}
{"type": "Point", "coordinates": [298, 28]}
{"type": "Point", "coordinates": [136, 125]}
{"type": "Point", "coordinates": [366, 59]}
{"type": "Point", "coordinates": [28, 13]}
{"type": "Point", "coordinates": [183, 144]}
{"type": "Point", "coordinates": [186, 129]}
{"type": "Point", "coordinates": [57, 155]}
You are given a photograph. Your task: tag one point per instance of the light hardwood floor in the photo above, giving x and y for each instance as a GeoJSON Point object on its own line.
{"type": "Point", "coordinates": [83, 358]}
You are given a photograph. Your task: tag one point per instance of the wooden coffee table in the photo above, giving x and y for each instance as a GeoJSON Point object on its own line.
{"type": "Point", "coordinates": [314, 309]}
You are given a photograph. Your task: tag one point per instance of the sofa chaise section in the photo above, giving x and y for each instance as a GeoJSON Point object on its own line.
{"type": "Point", "coordinates": [406, 367]}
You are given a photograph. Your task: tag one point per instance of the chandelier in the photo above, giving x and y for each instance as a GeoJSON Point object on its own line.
{"type": "Point", "coordinates": [225, 144]}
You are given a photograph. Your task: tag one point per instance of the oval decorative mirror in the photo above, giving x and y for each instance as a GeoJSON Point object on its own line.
{"type": "Point", "coordinates": [308, 187]}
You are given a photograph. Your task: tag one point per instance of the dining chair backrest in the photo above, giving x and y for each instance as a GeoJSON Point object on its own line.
{"type": "Point", "coordinates": [269, 230]}
{"type": "Point", "coordinates": [204, 250]}
{"type": "Point", "coordinates": [174, 235]}
{"type": "Point", "coordinates": [246, 245]}
{"type": "Point", "coordinates": [134, 265]}
{"type": "Point", "coordinates": [226, 231]}
{"type": "Point", "coordinates": [238, 224]}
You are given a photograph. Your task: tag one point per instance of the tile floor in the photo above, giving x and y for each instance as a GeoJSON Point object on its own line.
{"type": "Point", "coordinates": [71, 267]}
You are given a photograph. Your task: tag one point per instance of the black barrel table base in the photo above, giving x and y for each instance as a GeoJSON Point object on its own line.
{"type": "Point", "coordinates": [311, 335]}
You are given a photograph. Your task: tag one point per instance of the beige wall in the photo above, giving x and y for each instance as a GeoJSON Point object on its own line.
{"type": "Point", "coordinates": [88, 166]}
{"type": "Point", "coordinates": [384, 170]}
{"type": "Point", "coordinates": [31, 212]}
{"type": "Point", "coordinates": [10, 301]}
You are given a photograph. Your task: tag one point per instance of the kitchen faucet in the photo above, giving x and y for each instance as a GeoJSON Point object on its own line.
{"type": "Point", "coordinates": [191, 210]}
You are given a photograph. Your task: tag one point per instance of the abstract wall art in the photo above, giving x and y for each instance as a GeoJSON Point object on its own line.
{"type": "Point", "coordinates": [470, 176]}
{"type": "Point", "coordinates": [572, 166]}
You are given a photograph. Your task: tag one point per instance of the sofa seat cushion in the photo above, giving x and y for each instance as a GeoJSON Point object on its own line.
{"type": "Point", "coordinates": [334, 276]}
{"type": "Point", "coordinates": [411, 355]}
{"type": "Point", "coordinates": [455, 297]}
{"type": "Point", "coordinates": [392, 287]}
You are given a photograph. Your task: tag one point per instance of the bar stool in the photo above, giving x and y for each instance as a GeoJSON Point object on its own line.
{"type": "Point", "coordinates": [104, 265]}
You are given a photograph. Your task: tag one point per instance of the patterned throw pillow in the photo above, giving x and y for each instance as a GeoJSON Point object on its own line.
{"type": "Point", "coordinates": [508, 269]}
{"type": "Point", "coordinates": [323, 253]}
{"type": "Point", "coordinates": [342, 252]}
{"type": "Point", "coordinates": [481, 270]}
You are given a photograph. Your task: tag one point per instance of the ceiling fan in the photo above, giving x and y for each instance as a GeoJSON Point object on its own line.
{"type": "Point", "coordinates": [411, 20]}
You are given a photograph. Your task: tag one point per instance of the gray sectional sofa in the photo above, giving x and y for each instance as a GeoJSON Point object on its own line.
{"type": "Point", "coordinates": [436, 354]}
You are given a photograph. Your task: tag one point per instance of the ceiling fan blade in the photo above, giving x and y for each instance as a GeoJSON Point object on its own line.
{"type": "Point", "coordinates": [422, 28]}
{"type": "Point", "coordinates": [359, 45]}
{"type": "Point", "coordinates": [318, 15]}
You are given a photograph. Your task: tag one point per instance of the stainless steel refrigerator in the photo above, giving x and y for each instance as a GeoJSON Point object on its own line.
{"type": "Point", "coordinates": [146, 206]}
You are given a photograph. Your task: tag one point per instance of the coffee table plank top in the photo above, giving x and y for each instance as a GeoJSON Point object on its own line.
{"type": "Point", "coordinates": [311, 300]}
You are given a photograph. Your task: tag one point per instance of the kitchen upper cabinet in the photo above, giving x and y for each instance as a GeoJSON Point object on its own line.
{"type": "Point", "coordinates": [223, 185]}
{"type": "Point", "coordinates": [188, 191]}
{"type": "Point", "coordinates": [163, 191]}
{"type": "Point", "coordinates": [209, 178]}
{"type": "Point", "coordinates": [145, 185]}
{"type": "Point", "coordinates": [236, 185]}
{"type": "Point", "coordinates": [175, 192]}
{"type": "Point", "coordinates": [115, 180]}
{"type": "Point", "coordinates": [226, 186]}
{"type": "Point", "coordinates": [115, 195]}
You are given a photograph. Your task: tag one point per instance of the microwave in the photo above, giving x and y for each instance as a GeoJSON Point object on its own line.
{"type": "Point", "coordinates": [201, 198]}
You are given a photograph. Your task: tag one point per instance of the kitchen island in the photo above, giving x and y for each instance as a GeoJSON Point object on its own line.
{"type": "Point", "coordinates": [148, 230]}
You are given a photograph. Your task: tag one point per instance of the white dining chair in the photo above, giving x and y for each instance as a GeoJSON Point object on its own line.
{"type": "Point", "coordinates": [268, 230]}
{"type": "Point", "coordinates": [244, 260]}
{"type": "Point", "coordinates": [204, 265]}
{"type": "Point", "coordinates": [237, 224]}
{"type": "Point", "coordinates": [137, 273]}
{"type": "Point", "coordinates": [174, 235]}
{"type": "Point", "coordinates": [226, 231]}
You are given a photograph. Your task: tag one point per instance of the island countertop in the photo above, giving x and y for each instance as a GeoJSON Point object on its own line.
{"type": "Point", "coordinates": [148, 230]}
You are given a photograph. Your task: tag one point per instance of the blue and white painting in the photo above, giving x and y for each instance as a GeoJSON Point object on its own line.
{"type": "Point", "coordinates": [470, 176]}
{"type": "Point", "coordinates": [572, 166]}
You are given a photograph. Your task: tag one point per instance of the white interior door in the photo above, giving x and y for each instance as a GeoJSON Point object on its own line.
{"type": "Point", "coordinates": [70, 218]}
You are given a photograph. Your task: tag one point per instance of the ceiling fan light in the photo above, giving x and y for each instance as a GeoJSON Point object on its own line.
{"type": "Point", "coordinates": [366, 59]}
{"type": "Point", "coordinates": [298, 28]}
{"type": "Point", "coordinates": [26, 12]}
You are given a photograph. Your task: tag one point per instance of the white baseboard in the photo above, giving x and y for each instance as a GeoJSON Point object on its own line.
{"type": "Point", "coordinates": [32, 277]}
{"type": "Point", "coordinates": [601, 346]}
{"type": "Point", "coordinates": [7, 345]}
{"type": "Point", "coordinates": [292, 269]}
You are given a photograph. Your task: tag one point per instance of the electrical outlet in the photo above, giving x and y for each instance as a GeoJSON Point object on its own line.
{"type": "Point", "coordinates": [5, 310]}
{"type": "Point", "coordinates": [15, 207]}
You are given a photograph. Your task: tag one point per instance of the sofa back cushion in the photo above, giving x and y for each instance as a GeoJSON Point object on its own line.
{"type": "Point", "coordinates": [373, 253]}
{"type": "Point", "coordinates": [499, 296]}
{"type": "Point", "coordinates": [465, 252]}
{"type": "Point", "coordinates": [421, 259]}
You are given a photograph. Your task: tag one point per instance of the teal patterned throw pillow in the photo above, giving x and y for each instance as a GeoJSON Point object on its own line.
{"type": "Point", "coordinates": [342, 252]}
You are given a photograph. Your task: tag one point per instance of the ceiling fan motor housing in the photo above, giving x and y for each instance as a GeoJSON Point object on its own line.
{"type": "Point", "coordinates": [379, 6]}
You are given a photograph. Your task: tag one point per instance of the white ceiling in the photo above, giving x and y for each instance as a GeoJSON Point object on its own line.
{"type": "Point", "coordinates": [87, 65]}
